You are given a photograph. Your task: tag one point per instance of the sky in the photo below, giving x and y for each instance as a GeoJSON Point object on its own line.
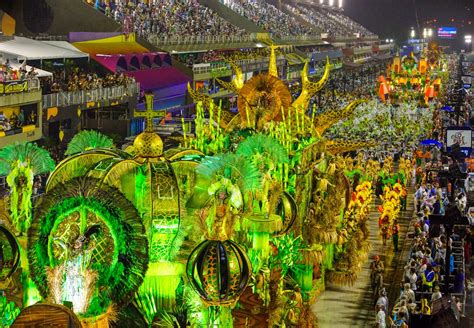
{"type": "Point", "coordinates": [394, 18]}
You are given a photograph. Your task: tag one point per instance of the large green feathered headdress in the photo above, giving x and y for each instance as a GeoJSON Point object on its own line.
{"type": "Point", "coordinates": [87, 140]}
{"type": "Point", "coordinates": [260, 146]}
{"type": "Point", "coordinates": [239, 170]}
{"type": "Point", "coordinates": [39, 159]}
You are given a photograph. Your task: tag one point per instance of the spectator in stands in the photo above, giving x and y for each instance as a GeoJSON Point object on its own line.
{"type": "Point", "coordinates": [408, 292]}
{"type": "Point", "coordinates": [436, 295]}
{"type": "Point", "coordinates": [82, 80]}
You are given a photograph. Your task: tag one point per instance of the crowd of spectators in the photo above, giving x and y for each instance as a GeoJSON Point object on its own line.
{"type": "Point", "coordinates": [333, 23]}
{"type": "Point", "coordinates": [270, 18]}
{"type": "Point", "coordinates": [10, 73]}
{"type": "Point", "coordinates": [15, 121]}
{"type": "Point", "coordinates": [169, 19]}
{"type": "Point", "coordinates": [82, 80]}
{"type": "Point", "coordinates": [215, 56]}
{"type": "Point", "coordinates": [425, 274]}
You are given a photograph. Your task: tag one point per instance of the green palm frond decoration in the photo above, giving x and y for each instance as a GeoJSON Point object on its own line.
{"type": "Point", "coordinates": [38, 159]}
{"type": "Point", "coordinates": [259, 145]}
{"type": "Point", "coordinates": [87, 140]}
{"type": "Point", "coordinates": [234, 167]}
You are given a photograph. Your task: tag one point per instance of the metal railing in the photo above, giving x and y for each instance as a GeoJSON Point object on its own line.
{"type": "Point", "coordinates": [299, 38]}
{"type": "Point", "coordinates": [47, 37]}
{"type": "Point", "coordinates": [62, 99]}
{"type": "Point", "coordinates": [245, 64]}
{"type": "Point", "coordinates": [211, 39]}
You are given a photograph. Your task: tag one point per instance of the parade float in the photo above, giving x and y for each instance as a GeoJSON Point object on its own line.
{"type": "Point", "coordinates": [410, 78]}
{"type": "Point", "coordinates": [243, 224]}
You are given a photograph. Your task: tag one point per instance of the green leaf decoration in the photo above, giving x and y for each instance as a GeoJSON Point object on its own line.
{"type": "Point", "coordinates": [87, 140]}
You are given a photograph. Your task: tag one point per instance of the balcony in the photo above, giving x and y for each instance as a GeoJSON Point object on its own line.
{"type": "Point", "coordinates": [362, 50]}
{"type": "Point", "coordinates": [220, 68]}
{"type": "Point", "coordinates": [385, 47]}
{"type": "Point", "coordinates": [68, 98]}
{"type": "Point", "coordinates": [19, 92]}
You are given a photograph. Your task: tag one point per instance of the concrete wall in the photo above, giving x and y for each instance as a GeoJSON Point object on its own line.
{"type": "Point", "coordinates": [23, 98]}
{"type": "Point", "coordinates": [57, 17]}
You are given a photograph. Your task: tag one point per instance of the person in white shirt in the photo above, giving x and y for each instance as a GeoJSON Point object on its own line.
{"type": "Point", "coordinates": [380, 318]}
{"type": "Point", "coordinates": [383, 300]}
{"type": "Point", "coordinates": [409, 294]}
{"type": "Point", "coordinates": [436, 294]}
{"type": "Point", "coordinates": [413, 277]}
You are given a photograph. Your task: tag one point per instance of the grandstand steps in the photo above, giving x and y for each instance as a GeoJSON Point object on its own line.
{"type": "Point", "coordinates": [59, 17]}
{"type": "Point", "coordinates": [353, 306]}
{"type": "Point", "coordinates": [232, 17]}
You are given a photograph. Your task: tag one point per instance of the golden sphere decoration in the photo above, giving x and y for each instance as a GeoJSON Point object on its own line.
{"type": "Point", "coordinates": [148, 144]}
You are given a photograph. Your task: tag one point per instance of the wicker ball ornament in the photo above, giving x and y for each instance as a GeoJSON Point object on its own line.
{"type": "Point", "coordinates": [219, 271]}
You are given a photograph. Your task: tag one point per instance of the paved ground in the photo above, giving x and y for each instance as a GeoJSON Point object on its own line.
{"type": "Point", "coordinates": [341, 307]}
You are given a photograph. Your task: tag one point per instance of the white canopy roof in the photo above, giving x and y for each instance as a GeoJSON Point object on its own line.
{"type": "Point", "coordinates": [23, 48]}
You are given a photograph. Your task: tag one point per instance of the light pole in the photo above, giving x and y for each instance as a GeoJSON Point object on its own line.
{"type": "Point", "coordinates": [468, 40]}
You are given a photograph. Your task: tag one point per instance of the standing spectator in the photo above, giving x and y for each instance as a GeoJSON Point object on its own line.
{"type": "Point", "coordinates": [380, 318]}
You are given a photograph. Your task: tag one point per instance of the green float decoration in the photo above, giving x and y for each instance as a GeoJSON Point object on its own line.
{"type": "Point", "coordinates": [21, 162]}
{"type": "Point", "coordinates": [8, 312]}
{"type": "Point", "coordinates": [88, 247]}
{"type": "Point", "coordinates": [88, 140]}
{"type": "Point", "coordinates": [219, 271]}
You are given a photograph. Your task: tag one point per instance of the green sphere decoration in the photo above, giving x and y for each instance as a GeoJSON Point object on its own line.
{"type": "Point", "coordinates": [219, 271]}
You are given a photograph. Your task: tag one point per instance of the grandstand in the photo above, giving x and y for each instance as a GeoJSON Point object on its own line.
{"type": "Point", "coordinates": [160, 46]}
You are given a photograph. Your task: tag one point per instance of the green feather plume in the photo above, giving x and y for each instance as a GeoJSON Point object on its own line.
{"type": "Point", "coordinates": [87, 140]}
{"type": "Point", "coordinates": [262, 145]}
{"type": "Point", "coordinates": [39, 159]}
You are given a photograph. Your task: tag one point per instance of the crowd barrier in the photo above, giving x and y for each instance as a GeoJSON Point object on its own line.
{"type": "Point", "coordinates": [212, 39]}
{"type": "Point", "coordinates": [68, 98]}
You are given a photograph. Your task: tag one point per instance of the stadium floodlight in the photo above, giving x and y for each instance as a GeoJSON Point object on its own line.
{"type": "Point", "coordinates": [321, 1]}
{"type": "Point", "coordinates": [340, 3]}
{"type": "Point", "coordinates": [331, 3]}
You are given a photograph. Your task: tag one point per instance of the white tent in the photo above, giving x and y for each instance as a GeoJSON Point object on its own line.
{"type": "Point", "coordinates": [23, 48]}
